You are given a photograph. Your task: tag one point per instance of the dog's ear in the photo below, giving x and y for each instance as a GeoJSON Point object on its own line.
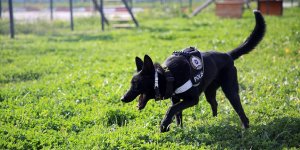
{"type": "Point", "coordinates": [148, 66]}
{"type": "Point", "coordinates": [139, 64]}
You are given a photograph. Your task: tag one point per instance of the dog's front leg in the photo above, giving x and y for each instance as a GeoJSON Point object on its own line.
{"type": "Point", "coordinates": [174, 109]}
{"type": "Point", "coordinates": [178, 115]}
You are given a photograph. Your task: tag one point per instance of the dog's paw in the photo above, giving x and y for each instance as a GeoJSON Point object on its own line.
{"type": "Point", "coordinates": [164, 128]}
{"type": "Point", "coordinates": [165, 125]}
{"type": "Point", "coordinates": [245, 123]}
{"type": "Point", "coordinates": [245, 126]}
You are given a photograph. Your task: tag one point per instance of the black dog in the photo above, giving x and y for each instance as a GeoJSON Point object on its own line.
{"type": "Point", "coordinates": [184, 75]}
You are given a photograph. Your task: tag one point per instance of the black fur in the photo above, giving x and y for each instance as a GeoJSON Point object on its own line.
{"type": "Point", "coordinates": [219, 71]}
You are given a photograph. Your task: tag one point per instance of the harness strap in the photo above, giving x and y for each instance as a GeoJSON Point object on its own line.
{"type": "Point", "coordinates": [156, 87]}
{"type": "Point", "coordinates": [192, 54]}
{"type": "Point", "coordinates": [169, 85]}
{"type": "Point", "coordinates": [186, 86]}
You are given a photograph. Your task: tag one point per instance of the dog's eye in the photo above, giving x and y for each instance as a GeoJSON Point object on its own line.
{"type": "Point", "coordinates": [134, 84]}
{"type": "Point", "coordinates": [134, 81]}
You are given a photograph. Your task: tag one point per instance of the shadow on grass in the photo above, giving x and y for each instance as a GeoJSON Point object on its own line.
{"type": "Point", "coordinates": [20, 77]}
{"type": "Point", "coordinates": [277, 134]}
{"type": "Point", "coordinates": [155, 29]}
{"type": "Point", "coordinates": [81, 37]}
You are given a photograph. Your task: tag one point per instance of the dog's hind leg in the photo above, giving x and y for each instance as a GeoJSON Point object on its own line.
{"type": "Point", "coordinates": [178, 116]}
{"type": "Point", "coordinates": [210, 94]}
{"type": "Point", "coordinates": [229, 84]}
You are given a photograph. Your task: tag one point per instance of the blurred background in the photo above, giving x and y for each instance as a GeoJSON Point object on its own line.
{"type": "Point", "coordinates": [30, 10]}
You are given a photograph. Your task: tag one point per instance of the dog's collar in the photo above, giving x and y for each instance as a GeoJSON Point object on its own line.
{"type": "Point", "coordinates": [169, 84]}
{"type": "Point", "coordinates": [156, 87]}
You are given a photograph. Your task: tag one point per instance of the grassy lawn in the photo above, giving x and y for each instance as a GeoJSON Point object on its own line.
{"type": "Point", "coordinates": [61, 89]}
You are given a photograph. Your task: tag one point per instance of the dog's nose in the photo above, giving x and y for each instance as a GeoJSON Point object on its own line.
{"type": "Point", "coordinates": [129, 96]}
{"type": "Point", "coordinates": [122, 98]}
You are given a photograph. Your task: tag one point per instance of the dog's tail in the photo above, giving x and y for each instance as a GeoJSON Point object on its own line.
{"type": "Point", "coordinates": [255, 37]}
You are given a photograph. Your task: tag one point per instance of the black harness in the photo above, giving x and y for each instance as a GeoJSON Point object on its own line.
{"type": "Point", "coordinates": [195, 60]}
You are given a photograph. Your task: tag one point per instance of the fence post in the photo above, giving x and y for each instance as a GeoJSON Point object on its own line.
{"type": "Point", "coordinates": [71, 14]}
{"type": "Point", "coordinates": [11, 19]}
{"type": "Point", "coordinates": [51, 9]}
{"type": "Point", "coordinates": [130, 12]}
{"type": "Point", "coordinates": [200, 8]}
{"type": "Point", "coordinates": [102, 15]}
{"type": "Point", "coordinates": [0, 9]}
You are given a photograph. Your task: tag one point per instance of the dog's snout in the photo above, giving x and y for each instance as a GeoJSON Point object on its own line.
{"type": "Point", "coordinates": [122, 98]}
{"type": "Point", "coordinates": [129, 96]}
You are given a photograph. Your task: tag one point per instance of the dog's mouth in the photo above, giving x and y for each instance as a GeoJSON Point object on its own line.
{"type": "Point", "coordinates": [142, 101]}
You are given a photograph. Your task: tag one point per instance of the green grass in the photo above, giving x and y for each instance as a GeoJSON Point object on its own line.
{"type": "Point", "coordinates": [61, 89]}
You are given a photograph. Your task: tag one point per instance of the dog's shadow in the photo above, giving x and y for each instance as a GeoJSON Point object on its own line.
{"type": "Point", "coordinates": [278, 133]}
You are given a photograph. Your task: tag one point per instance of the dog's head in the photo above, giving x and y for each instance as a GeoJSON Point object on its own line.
{"type": "Point", "coordinates": [142, 83]}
